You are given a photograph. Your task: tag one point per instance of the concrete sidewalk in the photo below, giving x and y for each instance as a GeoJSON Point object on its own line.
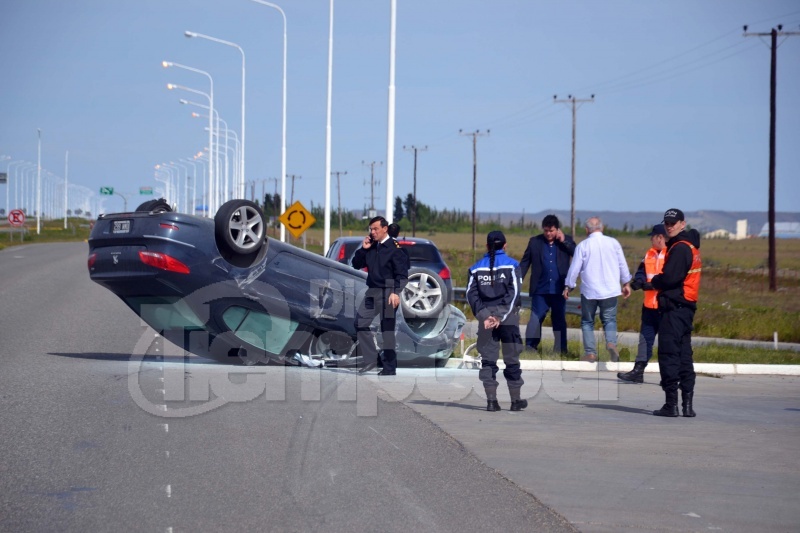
{"type": "Point", "coordinates": [589, 447]}
{"type": "Point", "coordinates": [631, 339]}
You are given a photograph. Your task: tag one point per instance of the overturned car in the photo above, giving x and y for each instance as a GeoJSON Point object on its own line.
{"type": "Point", "coordinates": [221, 289]}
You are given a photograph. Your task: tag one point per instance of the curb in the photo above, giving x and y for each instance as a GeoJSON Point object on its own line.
{"type": "Point", "coordinates": [603, 366]}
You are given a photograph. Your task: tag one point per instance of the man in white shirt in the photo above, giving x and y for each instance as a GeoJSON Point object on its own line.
{"type": "Point", "coordinates": [600, 263]}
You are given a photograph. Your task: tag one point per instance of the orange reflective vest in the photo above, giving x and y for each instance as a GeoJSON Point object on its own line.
{"type": "Point", "coordinates": [691, 283]}
{"type": "Point", "coordinates": [653, 264]}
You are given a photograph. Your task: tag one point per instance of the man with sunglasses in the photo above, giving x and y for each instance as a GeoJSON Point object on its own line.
{"type": "Point", "coordinates": [678, 286]}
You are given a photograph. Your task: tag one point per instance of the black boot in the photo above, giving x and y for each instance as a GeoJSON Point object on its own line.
{"type": "Point", "coordinates": [687, 403]}
{"type": "Point", "coordinates": [670, 408]}
{"type": "Point", "coordinates": [636, 375]}
{"type": "Point", "coordinates": [491, 399]}
{"type": "Point", "coordinates": [517, 404]}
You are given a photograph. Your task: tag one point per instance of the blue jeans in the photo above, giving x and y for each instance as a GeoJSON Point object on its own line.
{"type": "Point", "coordinates": [540, 304]}
{"type": "Point", "coordinates": [608, 316]}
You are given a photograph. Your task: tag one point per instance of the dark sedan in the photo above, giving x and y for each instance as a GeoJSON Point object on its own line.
{"type": "Point", "coordinates": [221, 289]}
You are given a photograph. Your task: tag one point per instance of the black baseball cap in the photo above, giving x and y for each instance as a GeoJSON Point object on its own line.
{"type": "Point", "coordinates": [658, 229]}
{"type": "Point", "coordinates": [673, 215]}
{"type": "Point", "coordinates": [495, 236]}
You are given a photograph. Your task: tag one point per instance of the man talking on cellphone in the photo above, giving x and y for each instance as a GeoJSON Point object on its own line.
{"type": "Point", "coordinates": [387, 276]}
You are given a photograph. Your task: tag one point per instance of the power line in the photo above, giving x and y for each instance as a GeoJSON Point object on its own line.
{"type": "Point", "coordinates": [414, 201]}
{"type": "Point", "coordinates": [372, 182]}
{"type": "Point", "coordinates": [339, 194]}
{"type": "Point", "coordinates": [293, 177]}
{"type": "Point", "coordinates": [474, 135]}
{"type": "Point", "coordinates": [773, 76]}
{"type": "Point", "coordinates": [574, 103]}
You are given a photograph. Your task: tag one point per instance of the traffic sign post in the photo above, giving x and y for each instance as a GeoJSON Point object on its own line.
{"type": "Point", "coordinates": [16, 217]}
{"type": "Point", "coordinates": [297, 219]}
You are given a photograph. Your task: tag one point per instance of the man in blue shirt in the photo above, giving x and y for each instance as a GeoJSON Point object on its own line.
{"type": "Point", "coordinates": [548, 256]}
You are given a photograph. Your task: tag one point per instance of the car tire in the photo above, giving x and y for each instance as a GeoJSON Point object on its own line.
{"type": "Point", "coordinates": [424, 295]}
{"type": "Point", "coordinates": [154, 206]}
{"type": "Point", "coordinates": [239, 227]}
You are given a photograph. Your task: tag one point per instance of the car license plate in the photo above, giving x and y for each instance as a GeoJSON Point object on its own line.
{"type": "Point", "coordinates": [121, 226]}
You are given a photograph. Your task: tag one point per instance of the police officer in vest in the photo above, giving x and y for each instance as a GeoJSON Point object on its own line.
{"type": "Point", "coordinates": [387, 276]}
{"type": "Point", "coordinates": [493, 293]}
{"type": "Point", "coordinates": [651, 265]}
{"type": "Point", "coordinates": [678, 287]}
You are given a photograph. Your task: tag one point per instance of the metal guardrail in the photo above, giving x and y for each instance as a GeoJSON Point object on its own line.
{"type": "Point", "coordinates": [573, 302]}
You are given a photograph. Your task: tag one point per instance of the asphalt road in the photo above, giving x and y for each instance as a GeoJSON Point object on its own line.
{"type": "Point", "coordinates": [103, 427]}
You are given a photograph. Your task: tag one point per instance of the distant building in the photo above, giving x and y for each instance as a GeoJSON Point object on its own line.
{"type": "Point", "coordinates": [741, 229]}
{"type": "Point", "coordinates": [718, 234]}
{"type": "Point", "coordinates": [783, 230]}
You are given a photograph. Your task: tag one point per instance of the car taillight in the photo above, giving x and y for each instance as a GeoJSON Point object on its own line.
{"type": "Point", "coordinates": [163, 261]}
{"type": "Point", "coordinates": [444, 273]}
{"type": "Point", "coordinates": [341, 254]}
{"type": "Point", "coordinates": [92, 259]}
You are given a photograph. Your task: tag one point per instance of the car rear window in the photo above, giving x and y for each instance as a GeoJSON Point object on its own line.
{"type": "Point", "coordinates": [421, 252]}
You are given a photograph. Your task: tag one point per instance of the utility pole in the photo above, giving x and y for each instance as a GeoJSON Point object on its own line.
{"type": "Point", "coordinates": [371, 166]}
{"type": "Point", "coordinates": [339, 194]}
{"type": "Point", "coordinates": [574, 101]}
{"type": "Point", "coordinates": [414, 206]}
{"type": "Point", "coordinates": [293, 177]}
{"type": "Point", "coordinates": [773, 80]}
{"type": "Point", "coordinates": [474, 135]}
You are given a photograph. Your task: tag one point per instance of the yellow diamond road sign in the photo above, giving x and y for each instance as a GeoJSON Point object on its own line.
{"type": "Point", "coordinates": [297, 219]}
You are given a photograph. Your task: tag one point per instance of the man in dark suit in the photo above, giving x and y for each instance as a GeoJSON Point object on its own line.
{"type": "Point", "coordinates": [387, 276]}
{"type": "Point", "coordinates": [548, 256]}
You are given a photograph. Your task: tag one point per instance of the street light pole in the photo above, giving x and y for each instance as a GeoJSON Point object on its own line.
{"type": "Point", "coordinates": [39, 185]}
{"type": "Point", "coordinates": [66, 185]}
{"type": "Point", "coordinates": [283, 126]}
{"type": "Point", "coordinates": [166, 64]}
{"type": "Point", "coordinates": [240, 188]}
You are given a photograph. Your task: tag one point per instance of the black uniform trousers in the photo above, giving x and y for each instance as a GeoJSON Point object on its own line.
{"type": "Point", "coordinates": [675, 349]}
{"type": "Point", "coordinates": [376, 303]}
{"type": "Point", "coordinates": [489, 342]}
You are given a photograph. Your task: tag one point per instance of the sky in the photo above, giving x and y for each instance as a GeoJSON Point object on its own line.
{"type": "Point", "coordinates": [680, 116]}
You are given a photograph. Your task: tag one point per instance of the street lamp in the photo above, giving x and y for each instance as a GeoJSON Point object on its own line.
{"type": "Point", "coordinates": [167, 64]}
{"type": "Point", "coordinates": [283, 131]}
{"type": "Point", "coordinates": [218, 119]}
{"type": "Point", "coordinates": [191, 34]}
{"type": "Point", "coordinates": [172, 86]}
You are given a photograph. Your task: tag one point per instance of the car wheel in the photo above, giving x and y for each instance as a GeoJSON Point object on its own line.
{"type": "Point", "coordinates": [239, 227]}
{"type": "Point", "coordinates": [154, 206]}
{"type": "Point", "coordinates": [424, 296]}
{"type": "Point", "coordinates": [335, 348]}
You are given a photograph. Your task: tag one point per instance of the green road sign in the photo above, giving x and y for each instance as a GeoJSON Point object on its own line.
{"type": "Point", "coordinates": [107, 190]}
{"type": "Point", "coordinates": [145, 190]}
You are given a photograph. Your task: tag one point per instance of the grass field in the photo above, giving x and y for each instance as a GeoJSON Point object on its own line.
{"type": "Point", "coordinates": [735, 302]}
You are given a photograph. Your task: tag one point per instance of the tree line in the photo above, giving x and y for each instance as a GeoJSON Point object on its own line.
{"type": "Point", "coordinates": [429, 220]}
